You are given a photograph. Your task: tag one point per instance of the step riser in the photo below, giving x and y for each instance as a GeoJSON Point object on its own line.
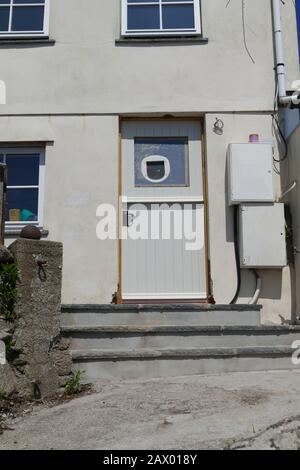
{"type": "Point", "coordinates": [147, 369]}
{"type": "Point", "coordinates": [127, 342]}
{"type": "Point", "coordinates": [250, 318]}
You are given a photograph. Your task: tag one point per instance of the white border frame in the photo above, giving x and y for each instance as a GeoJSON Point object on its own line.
{"type": "Point", "coordinates": [161, 32]}
{"type": "Point", "coordinates": [153, 159]}
{"type": "Point", "coordinates": [28, 34]}
{"type": "Point", "coordinates": [168, 296]}
{"type": "Point", "coordinates": [41, 186]}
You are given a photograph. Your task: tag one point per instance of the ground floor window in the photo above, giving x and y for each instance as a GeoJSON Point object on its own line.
{"type": "Point", "coordinates": [25, 185]}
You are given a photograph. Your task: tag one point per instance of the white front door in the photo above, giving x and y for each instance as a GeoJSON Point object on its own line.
{"type": "Point", "coordinates": [163, 248]}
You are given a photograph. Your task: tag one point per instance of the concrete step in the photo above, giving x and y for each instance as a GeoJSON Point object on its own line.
{"type": "Point", "coordinates": [152, 315]}
{"type": "Point", "coordinates": [146, 341]}
{"type": "Point", "coordinates": [149, 363]}
{"type": "Point", "coordinates": [135, 337]}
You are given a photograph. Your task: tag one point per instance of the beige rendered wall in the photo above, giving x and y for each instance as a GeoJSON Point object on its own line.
{"type": "Point", "coordinates": [82, 172]}
{"type": "Point", "coordinates": [276, 292]}
{"type": "Point", "coordinates": [87, 72]}
{"type": "Point", "coordinates": [292, 174]}
{"type": "Point", "coordinates": [72, 94]}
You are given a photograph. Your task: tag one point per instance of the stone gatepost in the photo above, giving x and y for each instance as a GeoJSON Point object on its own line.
{"type": "Point", "coordinates": [43, 363]}
{"type": "Point", "coordinates": [3, 184]}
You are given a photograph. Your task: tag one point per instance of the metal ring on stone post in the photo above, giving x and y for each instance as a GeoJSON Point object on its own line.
{"type": "Point", "coordinates": [42, 263]}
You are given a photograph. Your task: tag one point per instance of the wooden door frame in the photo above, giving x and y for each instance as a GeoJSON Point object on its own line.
{"type": "Point", "coordinates": [209, 295]}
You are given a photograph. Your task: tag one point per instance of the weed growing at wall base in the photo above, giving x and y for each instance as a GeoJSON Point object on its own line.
{"type": "Point", "coordinates": [9, 276]}
{"type": "Point", "coordinates": [73, 386]}
{"type": "Point", "coordinates": [3, 395]}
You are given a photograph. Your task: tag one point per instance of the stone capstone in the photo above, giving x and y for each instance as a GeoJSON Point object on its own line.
{"type": "Point", "coordinates": [31, 232]}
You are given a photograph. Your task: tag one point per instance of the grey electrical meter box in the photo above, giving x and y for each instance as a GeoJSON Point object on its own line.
{"type": "Point", "coordinates": [262, 236]}
{"type": "Point", "coordinates": [250, 173]}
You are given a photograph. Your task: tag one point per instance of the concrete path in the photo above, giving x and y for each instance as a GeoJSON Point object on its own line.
{"type": "Point", "coordinates": [242, 410]}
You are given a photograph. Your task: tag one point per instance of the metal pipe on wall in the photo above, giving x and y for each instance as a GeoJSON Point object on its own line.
{"type": "Point", "coordinates": [279, 55]}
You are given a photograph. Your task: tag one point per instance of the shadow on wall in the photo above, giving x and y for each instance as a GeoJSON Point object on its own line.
{"type": "Point", "coordinates": [229, 210]}
{"type": "Point", "coordinates": [271, 284]}
{"type": "Point", "coordinates": [290, 171]}
{"type": "Point", "coordinates": [288, 175]}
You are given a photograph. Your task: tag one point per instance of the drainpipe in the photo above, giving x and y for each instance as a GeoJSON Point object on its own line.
{"type": "Point", "coordinates": [279, 56]}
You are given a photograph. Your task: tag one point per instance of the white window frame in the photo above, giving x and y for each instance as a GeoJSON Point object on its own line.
{"type": "Point", "coordinates": [41, 186]}
{"type": "Point", "coordinates": [161, 32]}
{"type": "Point", "coordinates": [26, 34]}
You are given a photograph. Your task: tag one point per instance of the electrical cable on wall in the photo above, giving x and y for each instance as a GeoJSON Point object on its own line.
{"type": "Point", "coordinates": [244, 32]}
{"type": "Point", "coordinates": [276, 169]}
{"type": "Point", "coordinates": [277, 127]}
{"type": "Point", "coordinates": [237, 254]}
{"type": "Point", "coordinates": [257, 293]}
{"type": "Point", "coordinates": [244, 29]}
{"type": "Point", "coordinates": [287, 191]}
{"type": "Point", "coordinates": [283, 140]}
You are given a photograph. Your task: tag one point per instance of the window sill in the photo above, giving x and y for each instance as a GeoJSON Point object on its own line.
{"type": "Point", "coordinates": [161, 40]}
{"type": "Point", "coordinates": [26, 41]}
{"type": "Point", "coordinates": [15, 232]}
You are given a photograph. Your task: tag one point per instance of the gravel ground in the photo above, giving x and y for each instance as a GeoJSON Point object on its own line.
{"type": "Point", "coordinates": [238, 411]}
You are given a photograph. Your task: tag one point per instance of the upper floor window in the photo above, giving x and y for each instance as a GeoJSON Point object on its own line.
{"type": "Point", "coordinates": [24, 18]}
{"type": "Point", "coordinates": [160, 17]}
